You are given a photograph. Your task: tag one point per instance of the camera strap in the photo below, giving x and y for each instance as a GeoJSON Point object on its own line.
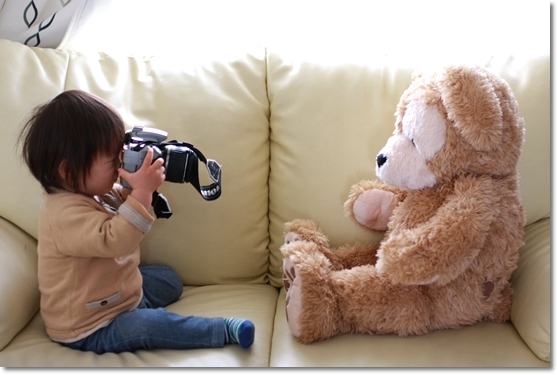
{"type": "Point", "coordinates": [160, 205]}
{"type": "Point", "coordinates": [212, 191]}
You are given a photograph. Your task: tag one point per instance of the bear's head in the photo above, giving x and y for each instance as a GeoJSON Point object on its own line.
{"type": "Point", "coordinates": [456, 121]}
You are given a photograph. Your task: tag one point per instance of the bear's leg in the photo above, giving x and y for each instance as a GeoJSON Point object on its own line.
{"type": "Point", "coordinates": [344, 257]}
{"type": "Point", "coordinates": [350, 256]}
{"type": "Point", "coordinates": [311, 307]}
{"type": "Point", "coordinates": [370, 304]}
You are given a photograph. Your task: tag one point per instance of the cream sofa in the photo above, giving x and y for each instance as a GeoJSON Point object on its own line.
{"type": "Point", "coordinates": [293, 129]}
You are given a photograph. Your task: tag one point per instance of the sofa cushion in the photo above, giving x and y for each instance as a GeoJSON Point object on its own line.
{"type": "Point", "coordinates": [529, 79]}
{"type": "Point", "coordinates": [332, 110]}
{"type": "Point", "coordinates": [214, 99]}
{"type": "Point", "coordinates": [28, 77]}
{"type": "Point", "coordinates": [526, 337]}
{"type": "Point", "coordinates": [19, 290]}
{"type": "Point", "coordinates": [530, 312]}
{"type": "Point", "coordinates": [478, 345]}
{"type": "Point", "coordinates": [32, 347]}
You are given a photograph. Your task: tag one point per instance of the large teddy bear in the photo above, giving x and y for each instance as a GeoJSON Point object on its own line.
{"type": "Point", "coordinates": [448, 200]}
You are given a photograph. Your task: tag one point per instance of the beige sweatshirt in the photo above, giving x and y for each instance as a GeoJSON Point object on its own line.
{"type": "Point", "coordinates": [88, 260]}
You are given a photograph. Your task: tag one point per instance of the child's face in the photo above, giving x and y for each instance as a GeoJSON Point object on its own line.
{"type": "Point", "coordinates": [103, 174]}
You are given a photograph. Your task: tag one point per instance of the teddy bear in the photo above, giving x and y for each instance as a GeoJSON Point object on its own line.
{"type": "Point", "coordinates": [447, 198]}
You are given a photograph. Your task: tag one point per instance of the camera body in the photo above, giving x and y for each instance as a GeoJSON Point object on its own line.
{"type": "Point", "coordinates": [136, 142]}
{"type": "Point", "coordinates": [180, 160]}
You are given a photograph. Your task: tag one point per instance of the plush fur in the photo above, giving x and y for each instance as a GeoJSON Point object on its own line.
{"type": "Point", "coordinates": [448, 200]}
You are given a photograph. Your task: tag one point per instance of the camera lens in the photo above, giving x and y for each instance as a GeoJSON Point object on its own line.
{"type": "Point", "coordinates": [176, 163]}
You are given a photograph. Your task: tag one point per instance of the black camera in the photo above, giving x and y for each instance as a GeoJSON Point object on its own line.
{"type": "Point", "coordinates": [181, 161]}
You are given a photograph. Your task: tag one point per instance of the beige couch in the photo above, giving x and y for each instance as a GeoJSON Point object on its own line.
{"type": "Point", "coordinates": [293, 130]}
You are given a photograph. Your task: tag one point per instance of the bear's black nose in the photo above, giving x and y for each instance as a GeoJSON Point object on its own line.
{"type": "Point", "coordinates": [381, 160]}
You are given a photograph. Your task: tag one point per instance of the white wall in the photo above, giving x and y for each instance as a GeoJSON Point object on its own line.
{"type": "Point", "coordinates": [425, 28]}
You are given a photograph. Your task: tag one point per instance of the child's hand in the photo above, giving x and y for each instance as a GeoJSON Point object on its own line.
{"type": "Point", "coordinates": [146, 179]}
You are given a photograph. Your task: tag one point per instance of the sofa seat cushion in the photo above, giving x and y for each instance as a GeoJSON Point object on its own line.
{"type": "Point", "coordinates": [32, 348]}
{"type": "Point", "coordinates": [478, 345]}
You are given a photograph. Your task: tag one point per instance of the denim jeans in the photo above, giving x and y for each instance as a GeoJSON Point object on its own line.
{"type": "Point", "coordinates": [150, 326]}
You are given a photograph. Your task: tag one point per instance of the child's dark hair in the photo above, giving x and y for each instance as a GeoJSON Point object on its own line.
{"type": "Point", "coordinates": [73, 128]}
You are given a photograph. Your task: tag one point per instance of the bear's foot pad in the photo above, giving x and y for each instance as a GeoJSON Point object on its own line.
{"type": "Point", "coordinates": [292, 283]}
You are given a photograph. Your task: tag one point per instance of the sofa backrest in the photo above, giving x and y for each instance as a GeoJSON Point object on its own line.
{"type": "Point", "coordinates": [292, 128]}
{"type": "Point", "coordinates": [215, 100]}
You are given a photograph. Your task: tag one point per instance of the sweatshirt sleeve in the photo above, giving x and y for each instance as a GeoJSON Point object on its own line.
{"type": "Point", "coordinates": [81, 227]}
{"type": "Point", "coordinates": [136, 214]}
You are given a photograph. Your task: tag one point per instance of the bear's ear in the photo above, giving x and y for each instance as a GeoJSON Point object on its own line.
{"type": "Point", "coordinates": [472, 105]}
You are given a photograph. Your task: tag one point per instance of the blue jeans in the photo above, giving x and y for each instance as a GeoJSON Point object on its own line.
{"type": "Point", "coordinates": [150, 326]}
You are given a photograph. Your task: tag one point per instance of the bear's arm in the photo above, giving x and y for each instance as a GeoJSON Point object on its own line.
{"type": "Point", "coordinates": [371, 203]}
{"type": "Point", "coordinates": [443, 247]}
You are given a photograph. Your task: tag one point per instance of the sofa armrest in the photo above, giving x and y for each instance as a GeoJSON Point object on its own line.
{"type": "Point", "coordinates": [19, 289]}
{"type": "Point", "coordinates": [531, 281]}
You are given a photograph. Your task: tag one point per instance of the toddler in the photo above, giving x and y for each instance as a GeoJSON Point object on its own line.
{"type": "Point", "coordinates": [95, 296]}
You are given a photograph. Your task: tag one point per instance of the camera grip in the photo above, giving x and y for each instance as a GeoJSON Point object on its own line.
{"type": "Point", "coordinates": [132, 160]}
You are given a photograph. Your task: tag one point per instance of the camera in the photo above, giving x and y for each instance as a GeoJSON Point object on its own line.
{"type": "Point", "coordinates": [181, 161]}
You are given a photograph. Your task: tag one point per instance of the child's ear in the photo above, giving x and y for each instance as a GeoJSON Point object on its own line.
{"type": "Point", "coordinates": [62, 170]}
